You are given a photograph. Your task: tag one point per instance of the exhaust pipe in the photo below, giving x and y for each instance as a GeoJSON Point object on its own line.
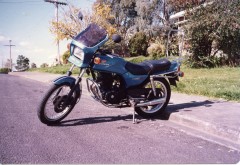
{"type": "Point", "coordinates": [149, 103]}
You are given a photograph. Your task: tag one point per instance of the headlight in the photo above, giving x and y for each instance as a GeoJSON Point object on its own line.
{"type": "Point", "coordinates": [78, 53]}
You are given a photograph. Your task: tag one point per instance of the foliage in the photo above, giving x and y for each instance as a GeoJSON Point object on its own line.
{"type": "Point", "coordinates": [103, 17]}
{"type": "Point", "coordinates": [4, 70]}
{"type": "Point", "coordinates": [138, 44]}
{"type": "Point", "coordinates": [69, 26]}
{"type": "Point", "coordinates": [44, 65]}
{"type": "Point", "coordinates": [137, 59]}
{"type": "Point", "coordinates": [7, 64]}
{"type": "Point", "coordinates": [65, 56]}
{"type": "Point", "coordinates": [60, 69]}
{"type": "Point", "coordinates": [22, 62]}
{"type": "Point", "coordinates": [125, 17]}
{"type": "Point", "coordinates": [156, 49]}
{"type": "Point", "coordinates": [214, 32]}
{"type": "Point", "coordinates": [33, 65]}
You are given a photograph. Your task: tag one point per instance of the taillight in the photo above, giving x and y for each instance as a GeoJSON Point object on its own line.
{"type": "Point", "coordinates": [180, 73]}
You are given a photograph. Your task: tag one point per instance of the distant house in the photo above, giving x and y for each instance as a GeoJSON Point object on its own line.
{"type": "Point", "coordinates": [179, 19]}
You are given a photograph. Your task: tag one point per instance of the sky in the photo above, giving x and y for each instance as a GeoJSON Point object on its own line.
{"type": "Point", "coordinates": [26, 23]}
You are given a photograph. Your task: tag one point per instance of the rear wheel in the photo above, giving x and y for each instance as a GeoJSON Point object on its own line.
{"type": "Point", "coordinates": [164, 92]}
{"type": "Point", "coordinates": [52, 108]}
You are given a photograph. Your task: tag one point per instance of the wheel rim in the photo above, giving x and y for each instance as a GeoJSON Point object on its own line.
{"type": "Point", "coordinates": [162, 93]}
{"type": "Point", "coordinates": [53, 105]}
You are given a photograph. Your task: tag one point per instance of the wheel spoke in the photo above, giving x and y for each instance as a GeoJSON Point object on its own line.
{"type": "Point", "coordinates": [53, 108]}
{"type": "Point", "coordinates": [161, 93]}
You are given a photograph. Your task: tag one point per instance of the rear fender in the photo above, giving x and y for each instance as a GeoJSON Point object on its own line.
{"type": "Point", "coordinates": [172, 79]}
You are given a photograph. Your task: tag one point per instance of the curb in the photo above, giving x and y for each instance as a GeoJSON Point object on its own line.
{"type": "Point", "coordinates": [225, 133]}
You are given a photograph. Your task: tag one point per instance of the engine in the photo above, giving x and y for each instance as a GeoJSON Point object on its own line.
{"type": "Point", "coordinates": [111, 87]}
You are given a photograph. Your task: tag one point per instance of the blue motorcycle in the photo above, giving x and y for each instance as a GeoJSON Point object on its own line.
{"type": "Point", "coordinates": [114, 82]}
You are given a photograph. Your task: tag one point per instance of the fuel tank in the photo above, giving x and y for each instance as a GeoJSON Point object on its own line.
{"type": "Point", "coordinates": [115, 64]}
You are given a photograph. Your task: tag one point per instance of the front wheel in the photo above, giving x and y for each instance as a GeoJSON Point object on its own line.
{"type": "Point", "coordinates": [163, 91]}
{"type": "Point", "coordinates": [53, 107]}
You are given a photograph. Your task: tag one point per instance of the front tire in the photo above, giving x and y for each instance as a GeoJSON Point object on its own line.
{"type": "Point", "coordinates": [164, 91]}
{"type": "Point", "coordinates": [52, 109]}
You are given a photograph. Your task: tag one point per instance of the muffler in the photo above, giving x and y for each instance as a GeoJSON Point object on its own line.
{"type": "Point", "coordinates": [150, 103]}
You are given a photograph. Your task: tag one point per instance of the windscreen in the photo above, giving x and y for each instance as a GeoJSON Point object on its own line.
{"type": "Point", "coordinates": [92, 35]}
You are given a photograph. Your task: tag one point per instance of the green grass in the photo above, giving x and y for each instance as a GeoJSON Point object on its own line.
{"type": "Point", "coordinates": [4, 70]}
{"type": "Point", "coordinates": [60, 69]}
{"type": "Point", "coordinates": [137, 59]}
{"type": "Point", "coordinates": [217, 82]}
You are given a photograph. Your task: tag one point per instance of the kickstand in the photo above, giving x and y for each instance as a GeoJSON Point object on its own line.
{"type": "Point", "coordinates": [134, 119]}
{"type": "Point", "coordinates": [133, 103]}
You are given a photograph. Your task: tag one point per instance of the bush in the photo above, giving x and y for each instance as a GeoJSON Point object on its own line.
{"type": "Point", "coordinates": [138, 44]}
{"type": "Point", "coordinates": [65, 56]}
{"type": "Point", "coordinates": [156, 50]}
{"type": "Point", "coordinates": [138, 59]}
{"type": "Point", "coordinates": [4, 70]}
{"type": "Point", "coordinates": [44, 65]}
{"type": "Point", "coordinates": [212, 29]}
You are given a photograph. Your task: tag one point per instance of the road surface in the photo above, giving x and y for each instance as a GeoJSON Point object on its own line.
{"type": "Point", "coordinates": [93, 134]}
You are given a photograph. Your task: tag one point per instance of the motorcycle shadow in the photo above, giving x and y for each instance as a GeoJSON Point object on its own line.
{"type": "Point", "coordinates": [93, 120]}
{"type": "Point", "coordinates": [186, 107]}
{"type": "Point", "coordinates": [171, 108]}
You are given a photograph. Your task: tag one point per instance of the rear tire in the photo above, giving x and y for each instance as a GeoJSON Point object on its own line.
{"type": "Point", "coordinates": [156, 110]}
{"type": "Point", "coordinates": [56, 104]}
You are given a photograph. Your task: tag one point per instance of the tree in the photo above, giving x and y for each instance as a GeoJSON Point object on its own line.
{"type": "Point", "coordinates": [65, 56]}
{"type": "Point", "coordinates": [33, 65]}
{"type": "Point", "coordinates": [149, 16]}
{"type": "Point", "coordinates": [69, 25]}
{"type": "Point", "coordinates": [214, 32]}
{"type": "Point", "coordinates": [44, 65]}
{"type": "Point", "coordinates": [22, 62]}
{"type": "Point", "coordinates": [138, 44]}
{"type": "Point", "coordinates": [7, 64]}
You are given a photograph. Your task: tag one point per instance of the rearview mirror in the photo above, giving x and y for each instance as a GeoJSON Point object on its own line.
{"type": "Point", "coordinates": [116, 38]}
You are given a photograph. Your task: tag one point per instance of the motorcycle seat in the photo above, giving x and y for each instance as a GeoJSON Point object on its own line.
{"type": "Point", "coordinates": [148, 67]}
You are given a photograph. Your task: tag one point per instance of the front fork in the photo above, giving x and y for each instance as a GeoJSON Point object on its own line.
{"type": "Point", "coordinates": [73, 88]}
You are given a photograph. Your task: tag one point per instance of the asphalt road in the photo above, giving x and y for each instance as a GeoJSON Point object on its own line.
{"type": "Point", "coordinates": [93, 134]}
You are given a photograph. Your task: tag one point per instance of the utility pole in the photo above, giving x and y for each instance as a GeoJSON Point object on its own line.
{"type": "Point", "coordinates": [10, 46]}
{"type": "Point", "coordinates": [56, 3]}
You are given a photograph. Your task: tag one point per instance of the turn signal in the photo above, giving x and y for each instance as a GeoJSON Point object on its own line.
{"type": "Point", "coordinates": [97, 60]}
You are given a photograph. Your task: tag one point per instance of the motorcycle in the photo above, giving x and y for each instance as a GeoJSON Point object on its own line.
{"type": "Point", "coordinates": [113, 81]}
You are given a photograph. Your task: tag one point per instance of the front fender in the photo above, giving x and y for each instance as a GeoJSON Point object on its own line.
{"type": "Point", "coordinates": [65, 80]}
{"type": "Point", "coordinates": [69, 81]}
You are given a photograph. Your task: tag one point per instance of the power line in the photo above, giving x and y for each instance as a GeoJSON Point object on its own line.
{"type": "Point", "coordinates": [19, 1]}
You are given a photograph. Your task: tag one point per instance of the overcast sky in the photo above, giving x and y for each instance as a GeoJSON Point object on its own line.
{"type": "Point", "coordinates": [26, 23]}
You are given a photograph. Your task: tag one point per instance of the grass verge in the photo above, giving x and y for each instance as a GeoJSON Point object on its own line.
{"type": "Point", "coordinates": [216, 83]}
{"type": "Point", "coordinates": [60, 69]}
